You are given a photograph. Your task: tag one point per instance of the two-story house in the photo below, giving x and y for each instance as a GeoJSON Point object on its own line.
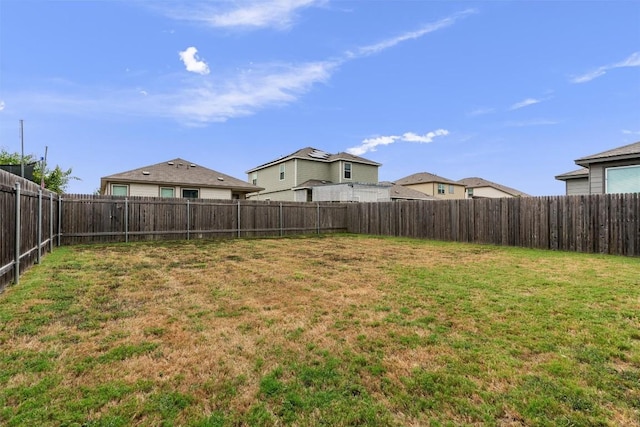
{"type": "Point", "coordinates": [611, 171]}
{"type": "Point", "coordinates": [292, 177]}
{"type": "Point", "coordinates": [433, 185]}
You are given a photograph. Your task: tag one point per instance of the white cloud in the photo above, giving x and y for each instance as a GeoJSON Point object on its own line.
{"type": "Point", "coordinates": [533, 122]}
{"type": "Point", "coordinates": [249, 14]}
{"type": "Point", "coordinates": [481, 111]}
{"type": "Point", "coordinates": [370, 144]}
{"type": "Point", "coordinates": [263, 87]}
{"type": "Point", "coordinates": [429, 28]}
{"type": "Point", "coordinates": [1, 105]}
{"type": "Point", "coordinates": [212, 98]}
{"type": "Point", "coordinates": [191, 61]}
{"type": "Point", "coordinates": [524, 103]}
{"type": "Point", "coordinates": [630, 132]}
{"type": "Point", "coordinates": [632, 61]}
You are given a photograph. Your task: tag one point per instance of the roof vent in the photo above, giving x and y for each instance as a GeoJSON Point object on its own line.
{"type": "Point", "coordinates": [145, 172]}
{"type": "Point", "coordinates": [319, 154]}
{"type": "Point", "coordinates": [192, 165]}
{"type": "Point", "coordinates": [170, 163]}
{"type": "Point", "coordinates": [220, 178]}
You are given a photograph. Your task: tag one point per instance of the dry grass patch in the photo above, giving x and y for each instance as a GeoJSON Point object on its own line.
{"type": "Point", "coordinates": [338, 330]}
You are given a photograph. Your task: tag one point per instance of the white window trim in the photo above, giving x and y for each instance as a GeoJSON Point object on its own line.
{"type": "Point", "coordinates": [189, 189]}
{"type": "Point", "coordinates": [606, 174]}
{"type": "Point", "coordinates": [344, 171]}
{"type": "Point", "coordinates": [282, 172]}
{"type": "Point", "coordinates": [120, 185]}
{"type": "Point", "coordinates": [168, 188]}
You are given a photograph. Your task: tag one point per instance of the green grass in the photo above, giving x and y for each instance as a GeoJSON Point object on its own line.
{"type": "Point", "coordinates": [331, 330]}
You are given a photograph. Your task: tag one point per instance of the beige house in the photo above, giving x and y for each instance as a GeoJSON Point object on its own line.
{"type": "Point", "coordinates": [611, 171]}
{"type": "Point", "coordinates": [292, 177]}
{"type": "Point", "coordinates": [176, 178]}
{"type": "Point", "coordinates": [482, 188]}
{"type": "Point", "coordinates": [433, 185]}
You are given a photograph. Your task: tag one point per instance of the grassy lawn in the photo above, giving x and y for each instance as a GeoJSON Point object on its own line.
{"type": "Point", "coordinates": [334, 330]}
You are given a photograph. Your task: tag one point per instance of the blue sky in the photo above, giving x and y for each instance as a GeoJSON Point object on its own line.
{"type": "Point", "coordinates": [510, 91]}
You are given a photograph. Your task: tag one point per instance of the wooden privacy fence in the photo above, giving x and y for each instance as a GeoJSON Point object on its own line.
{"type": "Point", "coordinates": [606, 223]}
{"type": "Point", "coordinates": [87, 219]}
{"type": "Point", "coordinates": [28, 223]}
{"type": "Point", "coordinates": [33, 221]}
{"type": "Point", "coordinates": [37, 220]}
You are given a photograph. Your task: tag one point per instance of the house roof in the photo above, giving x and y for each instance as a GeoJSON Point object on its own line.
{"type": "Point", "coordinates": [475, 182]}
{"type": "Point", "coordinates": [180, 172]}
{"type": "Point", "coordinates": [313, 154]}
{"type": "Point", "coordinates": [312, 183]}
{"type": "Point", "coordinates": [576, 174]}
{"type": "Point", "coordinates": [423, 178]}
{"type": "Point", "coordinates": [400, 192]}
{"type": "Point", "coordinates": [631, 151]}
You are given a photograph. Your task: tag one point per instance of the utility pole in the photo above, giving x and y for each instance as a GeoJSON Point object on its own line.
{"type": "Point", "coordinates": [44, 166]}
{"type": "Point", "coordinates": [22, 145]}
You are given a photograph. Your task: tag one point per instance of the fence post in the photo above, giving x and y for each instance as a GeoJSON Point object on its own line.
{"type": "Point", "coordinates": [238, 218]}
{"type": "Point", "coordinates": [16, 265]}
{"type": "Point", "coordinates": [318, 217]}
{"type": "Point", "coordinates": [50, 222]}
{"type": "Point", "coordinates": [281, 220]}
{"type": "Point", "coordinates": [126, 220]}
{"type": "Point", "coordinates": [59, 219]}
{"type": "Point", "coordinates": [39, 232]}
{"type": "Point", "coordinates": [188, 220]}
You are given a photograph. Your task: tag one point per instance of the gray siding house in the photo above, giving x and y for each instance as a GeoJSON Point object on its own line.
{"type": "Point", "coordinates": [611, 171]}
{"type": "Point", "coordinates": [292, 177]}
{"type": "Point", "coordinates": [176, 178]}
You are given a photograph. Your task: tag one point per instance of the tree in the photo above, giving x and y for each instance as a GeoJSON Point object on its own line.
{"type": "Point", "coordinates": [56, 179]}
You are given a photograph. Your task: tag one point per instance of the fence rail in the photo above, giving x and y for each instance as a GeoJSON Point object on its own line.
{"type": "Point", "coordinates": [33, 221]}
{"type": "Point", "coordinates": [605, 223]}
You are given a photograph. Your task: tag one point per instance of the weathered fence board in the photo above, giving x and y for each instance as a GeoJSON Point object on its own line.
{"type": "Point", "coordinates": [606, 223]}
{"type": "Point", "coordinates": [28, 224]}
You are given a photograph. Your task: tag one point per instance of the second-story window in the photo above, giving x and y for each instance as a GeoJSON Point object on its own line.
{"type": "Point", "coordinates": [347, 171]}
{"type": "Point", "coordinates": [254, 178]}
{"type": "Point", "coordinates": [282, 172]}
{"type": "Point", "coordinates": [440, 188]}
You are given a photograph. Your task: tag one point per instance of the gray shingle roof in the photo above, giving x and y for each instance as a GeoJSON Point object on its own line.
{"type": "Point", "coordinates": [620, 153]}
{"type": "Point", "coordinates": [181, 172]}
{"type": "Point", "coordinates": [475, 182]}
{"type": "Point", "coordinates": [579, 173]}
{"type": "Point", "coordinates": [422, 178]}
{"type": "Point", "coordinates": [399, 192]}
{"type": "Point", "coordinates": [310, 153]}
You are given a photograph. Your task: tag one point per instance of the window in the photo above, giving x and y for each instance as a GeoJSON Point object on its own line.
{"type": "Point", "coordinates": [623, 179]}
{"type": "Point", "coordinates": [189, 193]}
{"type": "Point", "coordinates": [254, 178]}
{"type": "Point", "coordinates": [451, 189]}
{"type": "Point", "coordinates": [167, 192]}
{"type": "Point", "coordinates": [347, 171]}
{"type": "Point", "coordinates": [119, 190]}
{"type": "Point", "coordinates": [470, 192]}
{"type": "Point", "coordinates": [282, 172]}
{"type": "Point", "coordinates": [440, 188]}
